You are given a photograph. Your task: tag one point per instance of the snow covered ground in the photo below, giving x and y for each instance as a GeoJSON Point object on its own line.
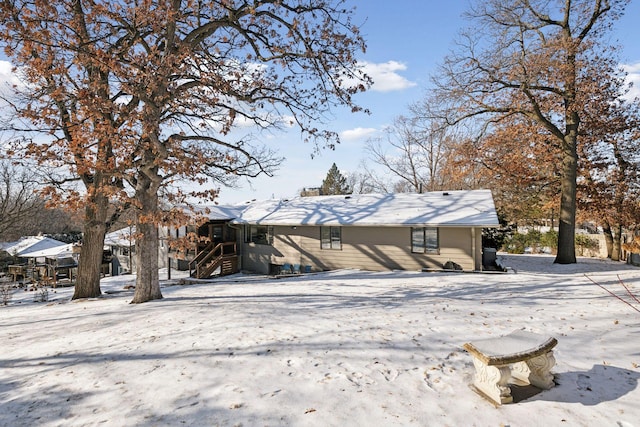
{"type": "Point", "coordinates": [344, 348]}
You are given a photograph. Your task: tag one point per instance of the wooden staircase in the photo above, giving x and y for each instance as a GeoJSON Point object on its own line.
{"type": "Point", "coordinates": [222, 257]}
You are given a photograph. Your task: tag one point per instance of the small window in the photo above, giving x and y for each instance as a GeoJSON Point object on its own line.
{"type": "Point", "coordinates": [425, 240]}
{"type": "Point", "coordinates": [259, 234]}
{"type": "Point", "coordinates": [331, 238]}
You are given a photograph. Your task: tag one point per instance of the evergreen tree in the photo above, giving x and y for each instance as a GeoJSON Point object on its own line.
{"type": "Point", "coordinates": [334, 183]}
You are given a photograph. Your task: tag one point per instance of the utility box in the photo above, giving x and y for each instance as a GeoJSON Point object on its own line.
{"type": "Point", "coordinates": [489, 257]}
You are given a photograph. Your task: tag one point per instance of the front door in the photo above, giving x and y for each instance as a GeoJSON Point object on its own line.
{"type": "Point", "coordinates": [216, 233]}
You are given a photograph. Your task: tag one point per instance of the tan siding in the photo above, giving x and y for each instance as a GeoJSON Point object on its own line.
{"type": "Point", "coordinates": [287, 243]}
{"type": "Point", "coordinates": [455, 245]}
{"type": "Point", "coordinates": [367, 248]}
{"type": "Point", "coordinates": [256, 257]}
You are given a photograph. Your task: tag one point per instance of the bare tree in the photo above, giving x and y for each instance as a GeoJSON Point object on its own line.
{"type": "Point", "coordinates": [363, 181]}
{"type": "Point", "coordinates": [368, 179]}
{"type": "Point", "coordinates": [24, 212]}
{"type": "Point", "coordinates": [528, 57]}
{"type": "Point", "coordinates": [415, 151]}
{"type": "Point", "coordinates": [18, 199]}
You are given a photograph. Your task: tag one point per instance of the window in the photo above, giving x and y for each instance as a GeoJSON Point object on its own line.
{"type": "Point", "coordinates": [331, 238]}
{"type": "Point", "coordinates": [425, 240]}
{"type": "Point", "coordinates": [259, 234]}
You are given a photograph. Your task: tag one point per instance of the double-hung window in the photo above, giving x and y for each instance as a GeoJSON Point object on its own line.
{"type": "Point", "coordinates": [331, 238]}
{"type": "Point", "coordinates": [425, 240]}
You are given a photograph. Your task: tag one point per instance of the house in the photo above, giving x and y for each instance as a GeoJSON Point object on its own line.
{"type": "Point", "coordinates": [213, 245]}
{"type": "Point", "coordinates": [119, 252]}
{"type": "Point", "coordinates": [375, 232]}
{"type": "Point", "coordinates": [120, 248]}
{"type": "Point", "coordinates": [41, 258]}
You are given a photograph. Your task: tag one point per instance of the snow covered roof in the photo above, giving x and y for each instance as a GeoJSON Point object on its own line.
{"type": "Point", "coordinates": [32, 244]}
{"type": "Point", "coordinates": [122, 237]}
{"type": "Point", "coordinates": [450, 208]}
{"type": "Point", "coordinates": [61, 251]}
{"type": "Point", "coordinates": [221, 212]}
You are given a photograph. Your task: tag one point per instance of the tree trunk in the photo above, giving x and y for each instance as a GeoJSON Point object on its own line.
{"type": "Point", "coordinates": [617, 242]}
{"type": "Point", "coordinates": [147, 281]}
{"type": "Point", "coordinates": [608, 238]}
{"type": "Point", "coordinates": [567, 221]}
{"type": "Point", "coordinates": [88, 277]}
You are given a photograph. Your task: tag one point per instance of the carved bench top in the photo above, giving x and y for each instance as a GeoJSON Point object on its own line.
{"type": "Point", "coordinates": [515, 347]}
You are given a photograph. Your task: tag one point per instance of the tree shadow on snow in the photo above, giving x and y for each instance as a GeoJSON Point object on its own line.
{"type": "Point", "coordinates": [602, 383]}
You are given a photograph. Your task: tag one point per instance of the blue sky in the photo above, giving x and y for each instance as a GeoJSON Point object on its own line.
{"type": "Point", "coordinates": [406, 40]}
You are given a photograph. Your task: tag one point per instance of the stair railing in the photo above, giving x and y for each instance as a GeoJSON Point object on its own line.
{"type": "Point", "coordinates": [205, 263]}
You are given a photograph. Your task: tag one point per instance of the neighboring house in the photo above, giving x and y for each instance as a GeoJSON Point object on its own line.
{"type": "Point", "coordinates": [40, 258]}
{"type": "Point", "coordinates": [120, 249]}
{"type": "Point", "coordinates": [378, 232]}
{"type": "Point", "coordinates": [119, 252]}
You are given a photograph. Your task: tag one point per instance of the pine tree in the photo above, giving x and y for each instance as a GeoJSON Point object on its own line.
{"type": "Point", "coordinates": [334, 183]}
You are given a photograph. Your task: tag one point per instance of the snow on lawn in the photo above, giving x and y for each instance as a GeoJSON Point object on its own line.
{"type": "Point", "coordinates": [344, 348]}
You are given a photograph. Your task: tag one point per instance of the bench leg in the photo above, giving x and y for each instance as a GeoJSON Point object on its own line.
{"type": "Point", "coordinates": [492, 381]}
{"type": "Point", "coordinates": [536, 371]}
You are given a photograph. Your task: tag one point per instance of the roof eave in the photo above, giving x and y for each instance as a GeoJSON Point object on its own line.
{"type": "Point", "coordinates": [335, 224]}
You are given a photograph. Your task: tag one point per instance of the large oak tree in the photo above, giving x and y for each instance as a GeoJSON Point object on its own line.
{"type": "Point", "coordinates": [201, 70]}
{"type": "Point", "coordinates": [184, 77]}
{"type": "Point", "coordinates": [67, 114]}
{"type": "Point", "coordinates": [529, 58]}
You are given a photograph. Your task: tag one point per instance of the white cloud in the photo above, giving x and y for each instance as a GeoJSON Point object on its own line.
{"type": "Point", "coordinates": [357, 134]}
{"type": "Point", "coordinates": [8, 77]}
{"type": "Point", "coordinates": [6, 72]}
{"type": "Point", "coordinates": [633, 76]}
{"type": "Point", "coordinates": [386, 77]}
{"type": "Point", "coordinates": [632, 68]}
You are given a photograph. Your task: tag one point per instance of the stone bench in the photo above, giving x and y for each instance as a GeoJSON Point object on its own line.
{"type": "Point", "coordinates": [520, 358]}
